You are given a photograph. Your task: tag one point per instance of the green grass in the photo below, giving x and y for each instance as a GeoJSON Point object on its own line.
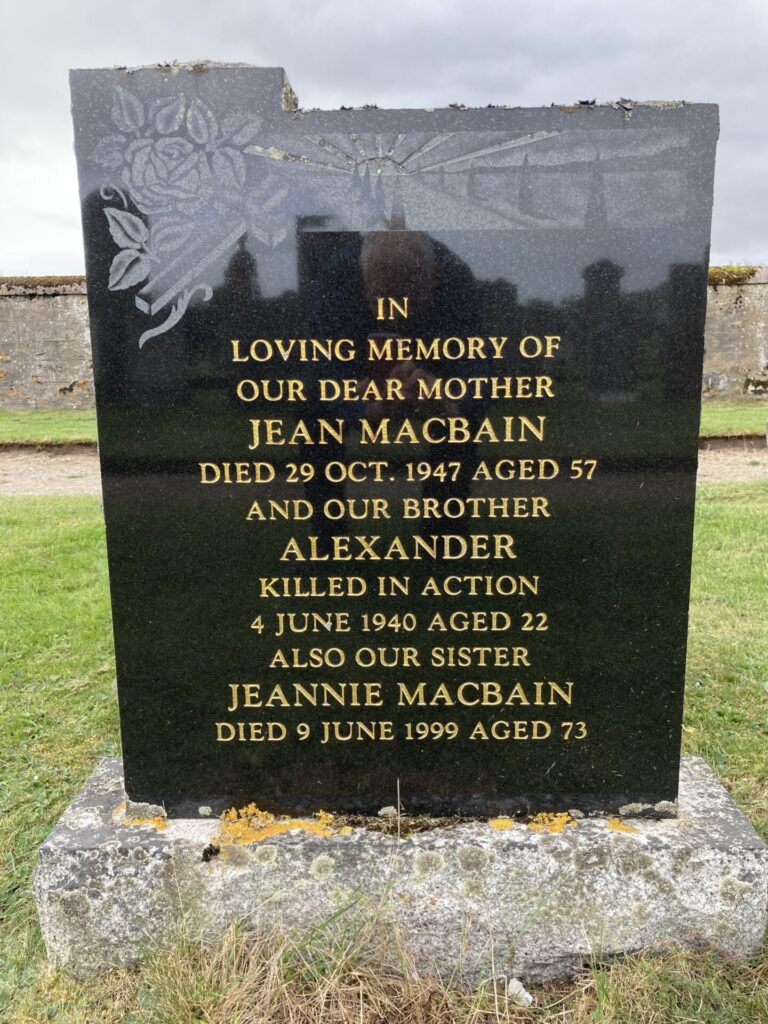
{"type": "Point", "coordinates": [58, 715]}
{"type": "Point", "coordinates": [725, 417]}
{"type": "Point", "coordinates": [720, 417]}
{"type": "Point", "coordinates": [48, 426]}
{"type": "Point", "coordinates": [726, 715]}
{"type": "Point", "coordinates": [57, 705]}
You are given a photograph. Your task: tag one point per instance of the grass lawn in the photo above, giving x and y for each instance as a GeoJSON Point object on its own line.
{"type": "Point", "coordinates": [720, 417]}
{"type": "Point", "coordinates": [724, 417]}
{"type": "Point", "coordinates": [47, 426]}
{"type": "Point", "coordinates": [58, 716]}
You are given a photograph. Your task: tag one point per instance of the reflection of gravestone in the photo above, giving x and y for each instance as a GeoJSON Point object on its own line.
{"type": "Point", "coordinates": [611, 345]}
{"type": "Point", "coordinates": [379, 527]}
{"type": "Point", "coordinates": [687, 318]}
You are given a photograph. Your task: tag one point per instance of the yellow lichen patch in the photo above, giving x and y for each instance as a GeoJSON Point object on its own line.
{"type": "Point", "coordinates": [501, 824]}
{"type": "Point", "coordinates": [250, 813]}
{"type": "Point", "coordinates": [617, 825]}
{"type": "Point", "coordinates": [159, 822]}
{"type": "Point", "coordinates": [553, 823]}
{"type": "Point", "coordinates": [245, 825]}
{"type": "Point", "coordinates": [243, 834]}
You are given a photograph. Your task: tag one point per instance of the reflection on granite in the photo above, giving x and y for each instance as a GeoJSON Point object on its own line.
{"type": "Point", "coordinates": [216, 212]}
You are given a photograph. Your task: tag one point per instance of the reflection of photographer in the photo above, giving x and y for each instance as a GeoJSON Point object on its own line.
{"type": "Point", "coordinates": [442, 300]}
{"type": "Point", "coordinates": [343, 302]}
{"type": "Point", "coordinates": [409, 377]}
{"type": "Point", "coordinates": [399, 263]}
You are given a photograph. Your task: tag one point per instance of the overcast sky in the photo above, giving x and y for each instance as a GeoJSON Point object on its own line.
{"type": "Point", "coordinates": [410, 53]}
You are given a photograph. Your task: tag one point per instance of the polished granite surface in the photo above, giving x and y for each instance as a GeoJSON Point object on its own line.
{"type": "Point", "coordinates": [346, 556]}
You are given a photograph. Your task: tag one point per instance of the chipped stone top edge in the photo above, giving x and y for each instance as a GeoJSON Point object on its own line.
{"type": "Point", "coordinates": [290, 100]}
{"type": "Point", "coordinates": [199, 66]}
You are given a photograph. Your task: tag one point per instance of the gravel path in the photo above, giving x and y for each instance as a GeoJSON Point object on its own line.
{"type": "Point", "coordinates": [75, 469]}
{"type": "Point", "coordinates": [733, 460]}
{"type": "Point", "coordinates": [70, 469]}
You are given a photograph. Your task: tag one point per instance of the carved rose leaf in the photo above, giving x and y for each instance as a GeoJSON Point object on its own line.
{"type": "Point", "coordinates": [127, 110]}
{"type": "Point", "coordinates": [168, 114]}
{"type": "Point", "coordinates": [201, 123]}
{"type": "Point", "coordinates": [126, 229]}
{"type": "Point", "coordinates": [129, 268]}
{"type": "Point", "coordinates": [247, 133]}
{"type": "Point", "coordinates": [109, 151]}
{"type": "Point", "coordinates": [240, 128]}
{"type": "Point", "coordinates": [170, 235]}
{"type": "Point", "coordinates": [229, 167]}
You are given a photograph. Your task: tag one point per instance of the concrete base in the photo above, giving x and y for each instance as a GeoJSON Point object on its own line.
{"type": "Point", "coordinates": [541, 902]}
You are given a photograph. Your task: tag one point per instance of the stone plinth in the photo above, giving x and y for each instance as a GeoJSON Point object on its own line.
{"type": "Point", "coordinates": [107, 890]}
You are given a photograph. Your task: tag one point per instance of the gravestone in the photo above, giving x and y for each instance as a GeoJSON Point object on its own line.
{"type": "Point", "coordinates": [398, 417]}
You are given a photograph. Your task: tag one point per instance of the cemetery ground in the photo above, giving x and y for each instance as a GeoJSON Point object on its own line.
{"type": "Point", "coordinates": [58, 716]}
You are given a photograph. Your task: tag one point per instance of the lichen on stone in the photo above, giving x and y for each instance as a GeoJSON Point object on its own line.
{"type": "Point", "coordinates": [158, 822]}
{"type": "Point", "coordinates": [266, 855]}
{"type": "Point", "coordinates": [428, 862]}
{"type": "Point", "coordinates": [473, 859]}
{"type": "Point", "coordinates": [553, 823]}
{"type": "Point", "coordinates": [665, 809]}
{"type": "Point", "coordinates": [501, 824]}
{"type": "Point", "coordinates": [245, 825]}
{"type": "Point", "coordinates": [322, 867]}
{"type": "Point", "coordinates": [235, 856]}
{"type": "Point", "coordinates": [633, 810]}
{"type": "Point", "coordinates": [543, 822]}
{"type": "Point", "coordinates": [617, 825]}
{"type": "Point", "coordinates": [123, 815]}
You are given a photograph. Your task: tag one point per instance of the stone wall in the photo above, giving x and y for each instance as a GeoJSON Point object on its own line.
{"type": "Point", "coordinates": [736, 357]}
{"type": "Point", "coordinates": [45, 349]}
{"type": "Point", "coordinates": [45, 354]}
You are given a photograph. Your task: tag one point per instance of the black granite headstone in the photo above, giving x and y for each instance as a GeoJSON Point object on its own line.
{"type": "Point", "coordinates": [398, 417]}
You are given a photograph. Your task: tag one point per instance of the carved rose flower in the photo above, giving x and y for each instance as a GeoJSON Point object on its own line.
{"type": "Point", "coordinates": [164, 172]}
